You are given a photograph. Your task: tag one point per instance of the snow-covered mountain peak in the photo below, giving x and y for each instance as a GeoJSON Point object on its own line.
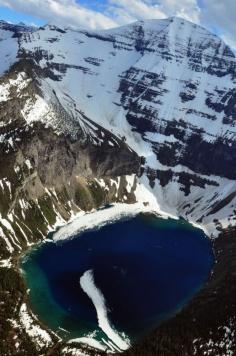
{"type": "Point", "coordinates": [16, 28]}
{"type": "Point", "coordinates": [167, 87]}
{"type": "Point", "coordinates": [9, 46]}
{"type": "Point", "coordinates": [174, 28]}
{"type": "Point", "coordinates": [168, 68]}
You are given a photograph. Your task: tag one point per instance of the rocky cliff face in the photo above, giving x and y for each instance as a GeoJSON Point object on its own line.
{"type": "Point", "coordinates": [81, 111]}
{"type": "Point", "coordinates": [51, 169]}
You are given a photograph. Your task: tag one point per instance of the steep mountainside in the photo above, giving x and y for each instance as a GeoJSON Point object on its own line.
{"type": "Point", "coordinates": [168, 88]}
{"type": "Point", "coordinates": [144, 112]}
{"type": "Point", "coordinates": [48, 150]}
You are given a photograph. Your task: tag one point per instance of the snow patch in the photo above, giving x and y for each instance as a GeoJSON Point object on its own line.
{"type": "Point", "coordinates": [40, 336]}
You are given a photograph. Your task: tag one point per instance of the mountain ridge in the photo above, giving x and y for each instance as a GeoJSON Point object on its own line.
{"type": "Point", "coordinates": [159, 82]}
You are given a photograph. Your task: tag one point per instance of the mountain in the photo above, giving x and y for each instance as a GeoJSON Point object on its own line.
{"type": "Point", "coordinates": [93, 117]}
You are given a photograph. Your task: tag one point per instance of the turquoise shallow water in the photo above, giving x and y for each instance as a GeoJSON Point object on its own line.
{"type": "Point", "coordinates": [146, 268]}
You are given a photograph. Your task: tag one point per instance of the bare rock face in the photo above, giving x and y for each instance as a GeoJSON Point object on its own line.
{"type": "Point", "coordinates": [52, 169]}
{"type": "Point", "coordinates": [48, 175]}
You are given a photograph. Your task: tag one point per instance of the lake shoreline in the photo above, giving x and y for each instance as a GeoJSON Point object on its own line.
{"type": "Point", "coordinates": [15, 264]}
{"type": "Point", "coordinates": [179, 226]}
{"type": "Point", "coordinates": [207, 324]}
{"type": "Point", "coordinates": [149, 341]}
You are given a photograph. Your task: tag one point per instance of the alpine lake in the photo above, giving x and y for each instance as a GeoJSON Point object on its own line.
{"type": "Point", "coordinates": [127, 276]}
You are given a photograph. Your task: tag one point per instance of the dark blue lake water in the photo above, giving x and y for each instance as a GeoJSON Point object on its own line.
{"type": "Point", "coordinates": [146, 268]}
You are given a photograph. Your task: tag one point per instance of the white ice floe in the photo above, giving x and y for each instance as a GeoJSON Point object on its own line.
{"type": "Point", "coordinates": [88, 285]}
{"type": "Point", "coordinates": [96, 218]}
{"type": "Point", "coordinates": [89, 341]}
{"type": "Point", "coordinates": [146, 203]}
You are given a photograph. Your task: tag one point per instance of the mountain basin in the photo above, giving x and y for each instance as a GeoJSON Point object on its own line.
{"type": "Point", "coordinates": [116, 283]}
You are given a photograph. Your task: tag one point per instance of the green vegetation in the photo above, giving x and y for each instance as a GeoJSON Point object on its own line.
{"type": "Point", "coordinates": [97, 193]}
{"type": "Point", "coordinates": [12, 291]}
{"type": "Point", "coordinates": [4, 253]}
{"type": "Point", "coordinates": [83, 196]}
{"type": "Point", "coordinates": [46, 206]}
{"type": "Point", "coordinates": [10, 280]}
